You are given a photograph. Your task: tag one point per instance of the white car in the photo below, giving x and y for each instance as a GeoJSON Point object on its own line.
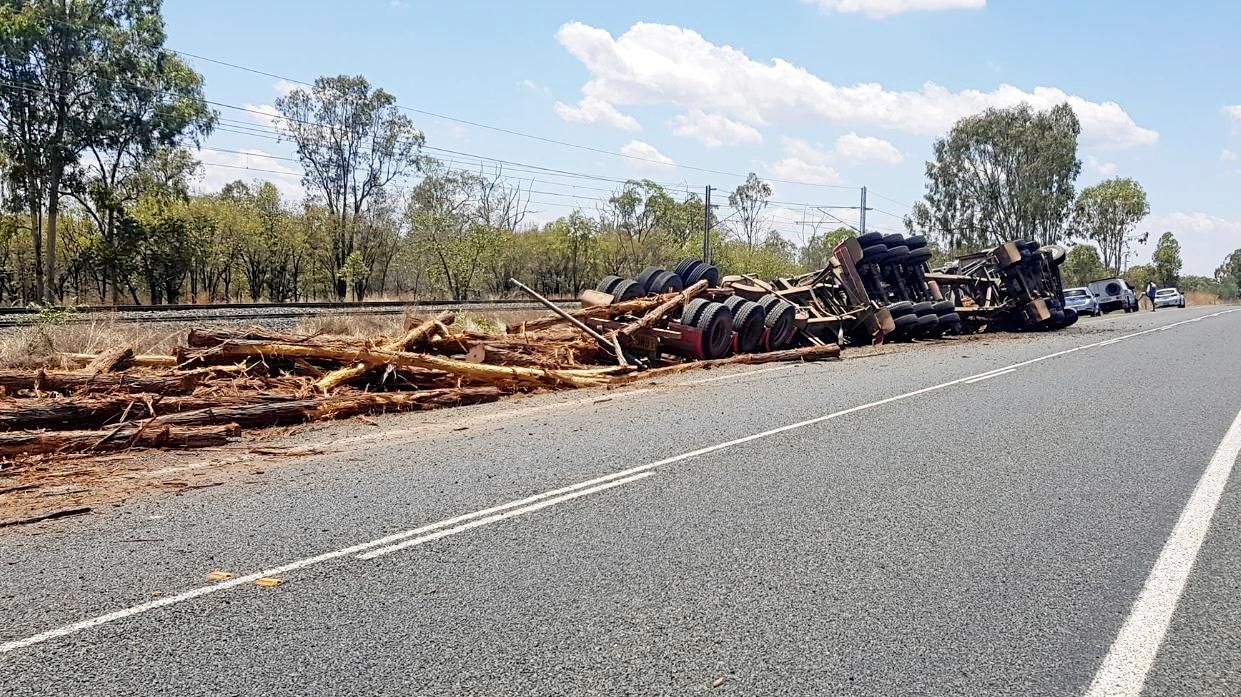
{"type": "Point", "coordinates": [1169, 297]}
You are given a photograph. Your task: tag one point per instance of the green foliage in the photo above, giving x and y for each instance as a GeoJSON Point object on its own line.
{"type": "Point", "coordinates": [1106, 214]}
{"type": "Point", "coordinates": [819, 248]}
{"type": "Point", "coordinates": [1001, 175]}
{"type": "Point", "coordinates": [1140, 275]}
{"type": "Point", "coordinates": [1082, 265]}
{"type": "Point", "coordinates": [749, 200]}
{"type": "Point", "coordinates": [1229, 272]}
{"type": "Point", "coordinates": [1167, 261]}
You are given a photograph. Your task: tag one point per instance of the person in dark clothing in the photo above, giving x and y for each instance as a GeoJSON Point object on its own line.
{"type": "Point", "coordinates": [1150, 294]}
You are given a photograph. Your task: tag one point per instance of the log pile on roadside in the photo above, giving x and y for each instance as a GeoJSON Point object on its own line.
{"type": "Point", "coordinates": [223, 381]}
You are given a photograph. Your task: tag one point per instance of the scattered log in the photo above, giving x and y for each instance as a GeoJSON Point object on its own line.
{"type": "Point", "coordinates": [805, 354]}
{"type": "Point", "coordinates": [135, 435]}
{"type": "Point", "coordinates": [138, 361]}
{"type": "Point", "coordinates": [288, 411]}
{"type": "Point", "coordinates": [629, 307]}
{"type": "Point", "coordinates": [14, 381]}
{"type": "Point", "coordinates": [97, 412]}
{"type": "Point", "coordinates": [47, 515]}
{"type": "Point", "coordinates": [110, 361]}
{"type": "Point", "coordinates": [409, 341]}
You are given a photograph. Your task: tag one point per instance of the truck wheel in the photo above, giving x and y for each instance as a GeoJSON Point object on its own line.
{"type": "Point", "coordinates": [924, 309]}
{"type": "Point", "coordinates": [943, 307]}
{"type": "Point", "coordinates": [748, 323]}
{"type": "Point", "coordinates": [898, 309]}
{"type": "Point", "coordinates": [607, 283]}
{"type": "Point", "coordinates": [627, 290]}
{"type": "Point", "coordinates": [870, 238]}
{"type": "Point", "coordinates": [689, 316]}
{"type": "Point", "coordinates": [716, 323]}
{"type": "Point", "coordinates": [686, 267]}
{"type": "Point", "coordinates": [647, 275]}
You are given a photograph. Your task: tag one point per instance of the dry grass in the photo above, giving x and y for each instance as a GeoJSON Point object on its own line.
{"type": "Point", "coordinates": [1196, 298]}
{"type": "Point", "coordinates": [40, 344]}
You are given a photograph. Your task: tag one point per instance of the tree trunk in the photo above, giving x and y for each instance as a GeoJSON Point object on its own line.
{"type": "Point", "coordinates": [53, 217]}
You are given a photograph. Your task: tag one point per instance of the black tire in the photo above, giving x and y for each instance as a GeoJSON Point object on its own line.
{"type": "Point", "coordinates": [703, 271]}
{"type": "Point", "coordinates": [950, 318]}
{"type": "Point", "coordinates": [689, 315]}
{"type": "Point", "coordinates": [894, 240]}
{"type": "Point", "coordinates": [780, 315]}
{"type": "Point", "coordinates": [665, 282]}
{"type": "Point", "coordinates": [895, 255]}
{"type": "Point", "coordinates": [943, 307]}
{"type": "Point", "coordinates": [874, 252]}
{"type": "Point", "coordinates": [716, 323]}
{"type": "Point", "coordinates": [904, 323]}
{"type": "Point", "coordinates": [749, 321]}
{"type": "Point", "coordinates": [870, 238]}
{"type": "Point", "coordinates": [734, 303]}
{"type": "Point", "coordinates": [685, 266]}
{"type": "Point", "coordinates": [915, 242]}
{"type": "Point", "coordinates": [1070, 317]}
{"type": "Point", "coordinates": [921, 309]}
{"type": "Point", "coordinates": [627, 290]}
{"type": "Point", "coordinates": [607, 283]}
{"type": "Point", "coordinates": [648, 274]}
{"type": "Point", "coordinates": [926, 324]}
{"type": "Point", "coordinates": [921, 255]}
{"type": "Point", "coordinates": [901, 308]}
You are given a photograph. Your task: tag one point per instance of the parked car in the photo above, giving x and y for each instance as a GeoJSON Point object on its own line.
{"type": "Point", "coordinates": [1114, 294]}
{"type": "Point", "coordinates": [1169, 297]}
{"type": "Point", "coordinates": [1082, 301]}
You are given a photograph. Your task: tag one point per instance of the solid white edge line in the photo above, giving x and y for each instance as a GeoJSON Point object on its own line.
{"type": "Point", "coordinates": [988, 376]}
{"type": "Point", "coordinates": [396, 537]}
{"type": "Point", "coordinates": [1125, 667]}
{"type": "Point", "coordinates": [500, 516]}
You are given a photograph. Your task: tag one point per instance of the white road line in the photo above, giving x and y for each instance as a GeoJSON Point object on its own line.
{"type": "Point", "coordinates": [193, 593]}
{"type": "Point", "coordinates": [988, 376]}
{"type": "Point", "coordinates": [499, 516]}
{"type": "Point", "coordinates": [1124, 669]}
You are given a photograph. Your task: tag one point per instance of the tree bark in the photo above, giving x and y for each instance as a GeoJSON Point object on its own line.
{"type": "Point", "coordinates": [131, 436]}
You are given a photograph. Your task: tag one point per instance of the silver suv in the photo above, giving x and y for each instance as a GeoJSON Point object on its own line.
{"type": "Point", "coordinates": [1114, 294]}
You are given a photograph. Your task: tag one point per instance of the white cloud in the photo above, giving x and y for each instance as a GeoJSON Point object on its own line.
{"type": "Point", "coordinates": [714, 130]}
{"type": "Point", "coordinates": [879, 9]}
{"type": "Point", "coordinates": [852, 146]}
{"type": "Point", "coordinates": [645, 151]}
{"type": "Point", "coordinates": [663, 64]}
{"type": "Point", "coordinates": [1107, 169]}
{"type": "Point", "coordinates": [1234, 111]}
{"type": "Point", "coordinates": [285, 87]}
{"type": "Point", "coordinates": [804, 162]}
{"type": "Point", "coordinates": [265, 114]}
{"type": "Point", "coordinates": [1205, 239]}
{"type": "Point", "coordinates": [220, 168]}
{"type": "Point", "coordinates": [594, 110]}
{"type": "Point", "coordinates": [535, 87]}
{"type": "Point", "coordinates": [1228, 156]}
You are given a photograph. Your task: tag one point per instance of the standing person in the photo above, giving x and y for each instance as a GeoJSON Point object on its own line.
{"type": "Point", "coordinates": [1150, 293]}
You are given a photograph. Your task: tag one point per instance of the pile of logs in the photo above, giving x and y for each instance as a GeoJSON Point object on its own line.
{"type": "Point", "coordinates": [223, 381]}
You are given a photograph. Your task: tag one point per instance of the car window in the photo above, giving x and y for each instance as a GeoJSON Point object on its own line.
{"type": "Point", "coordinates": [1077, 293]}
{"type": "Point", "coordinates": [1166, 291]}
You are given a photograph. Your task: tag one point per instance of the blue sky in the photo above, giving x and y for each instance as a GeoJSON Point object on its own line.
{"type": "Point", "coordinates": [835, 94]}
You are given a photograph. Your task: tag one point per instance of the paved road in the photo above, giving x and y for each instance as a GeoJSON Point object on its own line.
{"type": "Point", "coordinates": [922, 522]}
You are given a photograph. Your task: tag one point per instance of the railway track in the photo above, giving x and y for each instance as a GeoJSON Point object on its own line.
{"type": "Point", "coordinates": [236, 312]}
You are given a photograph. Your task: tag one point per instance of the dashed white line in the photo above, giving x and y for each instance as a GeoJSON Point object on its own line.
{"type": "Point", "coordinates": [616, 479]}
{"type": "Point", "coordinates": [1127, 663]}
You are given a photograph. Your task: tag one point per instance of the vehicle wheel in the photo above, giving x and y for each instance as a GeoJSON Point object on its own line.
{"type": "Point", "coordinates": [734, 303]}
{"type": "Point", "coordinates": [1070, 317]}
{"type": "Point", "coordinates": [716, 323]}
{"type": "Point", "coordinates": [900, 308]}
{"type": "Point", "coordinates": [915, 242]}
{"type": "Point", "coordinates": [748, 323]}
{"type": "Point", "coordinates": [949, 319]}
{"type": "Point", "coordinates": [779, 321]}
{"type": "Point", "coordinates": [703, 271]}
{"type": "Point", "coordinates": [895, 255]}
{"type": "Point", "coordinates": [607, 283]}
{"type": "Point", "coordinates": [665, 282]}
{"type": "Point", "coordinates": [924, 309]}
{"type": "Point", "coordinates": [873, 253]}
{"type": "Point", "coordinates": [627, 290]}
{"type": "Point", "coordinates": [920, 255]}
{"type": "Point", "coordinates": [904, 323]}
{"type": "Point", "coordinates": [646, 276]}
{"type": "Point", "coordinates": [894, 240]}
{"type": "Point", "coordinates": [689, 316]}
{"type": "Point", "coordinates": [685, 267]}
{"type": "Point", "coordinates": [870, 238]}
{"type": "Point", "coordinates": [1056, 252]}
{"type": "Point", "coordinates": [943, 307]}
{"type": "Point", "coordinates": [926, 324]}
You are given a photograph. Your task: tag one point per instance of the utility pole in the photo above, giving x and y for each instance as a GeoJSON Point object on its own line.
{"type": "Point", "coordinates": [862, 216]}
{"type": "Point", "coordinates": [706, 227]}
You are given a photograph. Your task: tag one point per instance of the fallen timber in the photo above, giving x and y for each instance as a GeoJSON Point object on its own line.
{"type": "Point", "coordinates": [661, 322]}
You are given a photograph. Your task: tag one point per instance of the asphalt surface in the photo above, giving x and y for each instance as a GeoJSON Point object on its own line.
{"type": "Point", "coordinates": [908, 533]}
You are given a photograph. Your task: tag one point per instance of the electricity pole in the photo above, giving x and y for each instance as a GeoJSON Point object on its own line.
{"type": "Point", "coordinates": [706, 226]}
{"type": "Point", "coordinates": [862, 217]}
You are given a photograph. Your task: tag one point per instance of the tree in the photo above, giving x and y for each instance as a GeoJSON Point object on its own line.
{"type": "Point", "coordinates": [1106, 214]}
{"type": "Point", "coordinates": [818, 250]}
{"type": "Point", "coordinates": [1167, 261]}
{"type": "Point", "coordinates": [1140, 275]}
{"type": "Point", "coordinates": [1001, 175]}
{"type": "Point", "coordinates": [85, 78]}
{"type": "Point", "coordinates": [1229, 275]}
{"type": "Point", "coordinates": [1082, 265]}
{"type": "Point", "coordinates": [749, 200]}
{"type": "Point", "coordinates": [353, 142]}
